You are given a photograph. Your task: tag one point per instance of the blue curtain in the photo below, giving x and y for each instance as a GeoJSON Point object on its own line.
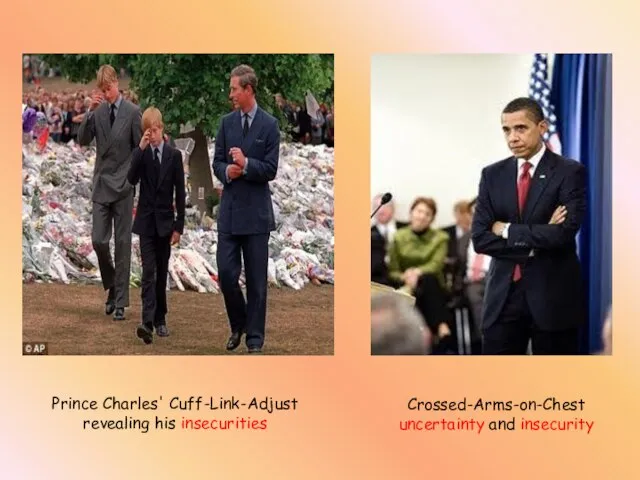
{"type": "Point", "coordinates": [581, 93]}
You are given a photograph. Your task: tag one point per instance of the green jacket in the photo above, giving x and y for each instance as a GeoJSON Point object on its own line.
{"type": "Point", "coordinates": [426, 252]}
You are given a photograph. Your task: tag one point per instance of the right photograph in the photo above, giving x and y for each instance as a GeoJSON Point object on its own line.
{"type": "Point", "coordinates": [491, 204]}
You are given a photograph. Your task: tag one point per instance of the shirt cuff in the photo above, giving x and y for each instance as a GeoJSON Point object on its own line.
{"type": "Point", "coordinates": [505, 231]}
{"type": "Point", "coordinates": [226, 174]}
{"type": "Point", "coordinates": [246, 165]}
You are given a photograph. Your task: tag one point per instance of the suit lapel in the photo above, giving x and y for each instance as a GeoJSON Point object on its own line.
{"type": "Point", "coordinates": [541, 178]}
{"type": "Point", "coordinates": [103, 119]}
{"type": "Point", "coordinates": [511, 190]}
{"type": "Point", "coordinates": [253, 132]}
{"type": "Point", "coordinates": [165, 164]}
{"type": "Point", "coordinates": [118, 123]}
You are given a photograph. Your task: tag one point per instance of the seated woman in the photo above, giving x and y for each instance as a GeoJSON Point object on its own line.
{"type": "Point", "coordinates": [416, 260]}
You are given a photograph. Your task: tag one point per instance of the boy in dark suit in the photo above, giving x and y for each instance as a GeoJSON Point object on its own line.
{"type": "Point", "coordinates": [158, 167]}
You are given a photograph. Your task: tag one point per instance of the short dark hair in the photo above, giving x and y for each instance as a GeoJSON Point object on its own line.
{"type": "Point", "coordinates": [527, 104]}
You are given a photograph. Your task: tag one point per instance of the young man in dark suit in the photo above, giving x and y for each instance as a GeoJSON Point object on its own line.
{"type": "Point", "coordinates": [246, 157]}
{"type": "Point", "coordinates": [534, 288]}
{"type": "Point", "coordinates": [158, 167]}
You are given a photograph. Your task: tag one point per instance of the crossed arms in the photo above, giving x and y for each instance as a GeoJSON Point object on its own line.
{"type": "Point", "coordinates": [521, 239]}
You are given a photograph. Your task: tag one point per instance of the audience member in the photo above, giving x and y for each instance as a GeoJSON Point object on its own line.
{"type": "Point", "coordinates": [477, 267]}
{"type": "Point", "coordinates": [459, 231]}
{"type": "Point", "coordinates": [317, 128]}
{"type": "Point", "coordinates": [396, 327]}
{"type": "Point", "coordinates": [329, 135]}
{"type": "Point", "coordinates": [416, 260]}
{"type": "Point", "coordinates": [383, 229]}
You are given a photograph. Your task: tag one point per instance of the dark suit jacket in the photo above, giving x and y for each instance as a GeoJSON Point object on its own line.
{"type": "Point", "coordinates": [245, 206]}
{"type": "Point", "coordinates": [379, 268]}
{"type": "Point", "coordinates": [114, 146]}
{"type": "Point", "coordinates": [452, 248]}
{"type": "Point", "coordinates": [456, 257]}
{"type": "Point", "coordinates": [552, 278]}
{"type": "Point", "coordinates": [155, 214]}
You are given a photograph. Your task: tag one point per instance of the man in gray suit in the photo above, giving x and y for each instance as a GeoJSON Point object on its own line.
{"type": "Point", "coordinates": [115, 123]}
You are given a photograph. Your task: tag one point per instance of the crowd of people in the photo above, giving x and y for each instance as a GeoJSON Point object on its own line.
{"type": "Point", "coordinates": [62, 112]}
{"type": "Point", "coordinates": [307, 127]}
{"type": "Point", "coordinates": [441, 270]}
{"type": "Point", "coordinates": [439, 267]}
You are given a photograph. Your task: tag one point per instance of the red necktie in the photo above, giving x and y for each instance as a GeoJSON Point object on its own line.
{"type": "Point", "coordinates": [524, 181]}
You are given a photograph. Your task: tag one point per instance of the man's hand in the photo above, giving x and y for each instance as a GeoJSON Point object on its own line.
{"type": "Point", "coordinates": [144, 141]}
{"type": "Point", "coordinates": [234, 171]}
{"type": "Point", "coordinates": [498, 227]}
{"type": "Point", "coordinates": [96, 100]}
{"type": "Point", "coordinates": [443, 330]}
{"type": "Point", "coordinates": [175, 238]}
{"type": "Point", "coordinates": [238, 157]}
{"type": "Point", "coordinates": [559, 215]}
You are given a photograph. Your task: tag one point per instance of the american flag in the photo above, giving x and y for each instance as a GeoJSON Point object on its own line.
{"type": "Point", "coordinates": [540, 90]}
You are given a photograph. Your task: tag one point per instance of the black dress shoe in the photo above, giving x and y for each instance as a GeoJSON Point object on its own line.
{"type": "Point", "coordinates": [119, 315]}
{"type": "Point", "coordinates": [255, 349]}
{"type": "Point", "coordinates": [162, 331]}
{"type": "Point", "coordinates": [110, 306]}
{"type": "Point", "coordinates": [144, 333]}
{"type": "Point", "coordinates": [234, 340]}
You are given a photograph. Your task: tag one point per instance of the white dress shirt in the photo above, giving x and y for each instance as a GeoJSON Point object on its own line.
{"type": "Point", "coordinates": [471, 259]}
{"type": "Point", "coordinates": [387, 230]}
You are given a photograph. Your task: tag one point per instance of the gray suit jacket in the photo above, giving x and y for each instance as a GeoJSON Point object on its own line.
{"type": "Point", "coordinates": [114, 148]}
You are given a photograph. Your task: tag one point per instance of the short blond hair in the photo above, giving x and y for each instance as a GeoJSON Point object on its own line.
{"type": "Point", "coordinates": [106, 76]}
{"type": "Point", "coordinates": [151, 117]}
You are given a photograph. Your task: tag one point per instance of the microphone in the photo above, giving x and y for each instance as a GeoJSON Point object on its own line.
{"type": "Point", "coordinates": [386, 198]}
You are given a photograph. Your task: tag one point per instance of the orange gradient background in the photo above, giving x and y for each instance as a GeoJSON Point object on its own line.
{"type": "Point", "coordinates": [350, 404]}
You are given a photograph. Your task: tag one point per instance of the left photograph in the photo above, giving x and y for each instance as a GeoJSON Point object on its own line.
{"type": "Point", "coordinates": [178, 204]}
